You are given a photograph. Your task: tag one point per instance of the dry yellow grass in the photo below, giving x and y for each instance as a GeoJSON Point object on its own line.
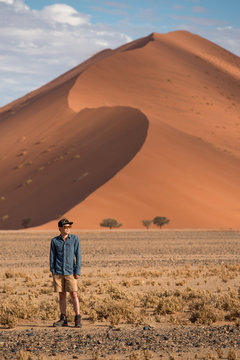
{"type": "Point", "coordinates": [154, 278]}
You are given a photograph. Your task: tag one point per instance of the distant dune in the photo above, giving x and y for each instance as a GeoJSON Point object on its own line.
{"type": "Point", "coordinates": [149, 129]}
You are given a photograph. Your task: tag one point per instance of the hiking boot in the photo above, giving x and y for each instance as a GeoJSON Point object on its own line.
{"type": "Point", "coordinates": [62, 322]}
{"type": "Point", "coordinates": [78, 321]}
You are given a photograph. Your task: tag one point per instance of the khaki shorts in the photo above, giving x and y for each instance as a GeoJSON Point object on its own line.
{"type": "Point", "coordinates": [64, 283]}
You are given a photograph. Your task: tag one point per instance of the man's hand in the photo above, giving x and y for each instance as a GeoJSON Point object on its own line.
{"type": "Point", "coordinates": [76, 276]}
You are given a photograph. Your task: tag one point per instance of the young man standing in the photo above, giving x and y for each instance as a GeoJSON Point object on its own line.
{"type": "Point", "coordinates": [65, 266]}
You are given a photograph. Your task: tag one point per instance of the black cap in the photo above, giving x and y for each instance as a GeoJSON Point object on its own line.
{"type": "Point", "coordinates": [64, 222]}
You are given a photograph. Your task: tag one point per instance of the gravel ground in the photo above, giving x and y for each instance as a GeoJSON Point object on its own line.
{"type": "Point", "coordinates": [108, 342]}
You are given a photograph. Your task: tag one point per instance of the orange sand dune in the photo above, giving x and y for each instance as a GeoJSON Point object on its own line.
{"type": "Point", "coordinates": [151, 128]}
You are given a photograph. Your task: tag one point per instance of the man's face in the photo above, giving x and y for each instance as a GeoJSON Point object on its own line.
{"type": "Point", "coordinates": [65, 229]}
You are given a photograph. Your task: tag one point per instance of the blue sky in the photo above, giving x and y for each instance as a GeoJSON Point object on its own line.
{"type": "Point", "coordinates": [41, 39]}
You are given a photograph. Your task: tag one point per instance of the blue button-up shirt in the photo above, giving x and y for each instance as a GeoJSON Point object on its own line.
{"type": "Point", "coordinates": [65, 256]}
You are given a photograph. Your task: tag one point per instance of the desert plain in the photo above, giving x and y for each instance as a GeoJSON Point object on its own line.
{"type": "Point", "coordinates": [144, 294]}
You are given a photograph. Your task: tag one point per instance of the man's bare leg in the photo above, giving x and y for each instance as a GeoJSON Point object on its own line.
{"type": "Point", "coordinates": [75, 301]}
{"type": "Point", "coordinates": [62, 302]}
{"type": "Point", "coordinates": [76, 309]}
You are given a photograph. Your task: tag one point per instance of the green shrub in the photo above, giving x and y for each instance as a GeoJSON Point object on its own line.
{"type": "Point", "coordinates": [160, 221]}
{"type": "Point", "coordinates": [146, 223]}
{"type": "Point", "coordinates": [110, 223]}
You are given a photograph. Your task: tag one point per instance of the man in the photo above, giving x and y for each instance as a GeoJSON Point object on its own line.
{"type": "Point", "coordinates": [65, 266]}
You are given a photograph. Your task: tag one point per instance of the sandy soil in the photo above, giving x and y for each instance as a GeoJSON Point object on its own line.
{"type": "Point", "coordinates": [140, 292]}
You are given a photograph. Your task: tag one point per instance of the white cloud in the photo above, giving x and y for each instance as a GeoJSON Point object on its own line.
{"type": "Point", "coordinates": [37, 46]}
{"type": "Point", "coordinates": [225, 28]}
{"type": "Point", "coordinates": [7, 1]}
{"type": "Point", "coordinates": [63, 14]}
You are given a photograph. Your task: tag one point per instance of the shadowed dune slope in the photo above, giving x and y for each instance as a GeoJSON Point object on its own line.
{"type": "Point", "coordinates": [151, 128]}
{"type": "Point", "coordinates": [54, 174]}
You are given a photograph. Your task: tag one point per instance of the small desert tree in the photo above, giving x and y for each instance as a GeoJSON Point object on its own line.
{"type": "Point", "coordinates": [110, 223]}
{"type": "Point", "coordinates": [160, 221]}
{"type": "Point", "coordinates": [146, 223]}
{"type": "Point", "coordinates": [26, 222]}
